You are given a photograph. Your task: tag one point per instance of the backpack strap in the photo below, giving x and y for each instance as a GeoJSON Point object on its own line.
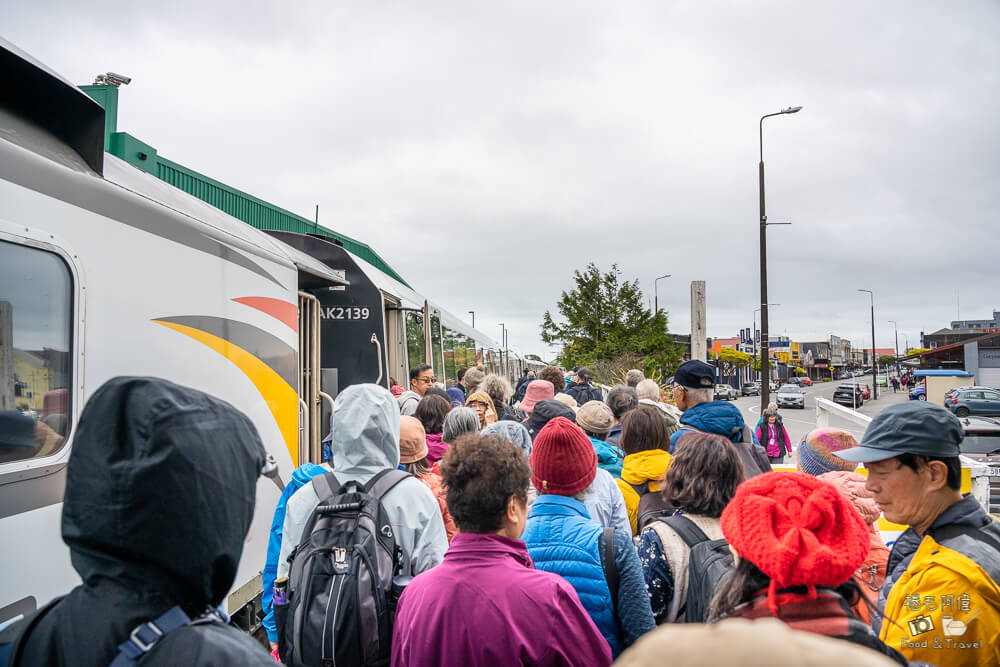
{"type": "Point", "coordinates": [19, 630]}
{"type": "Point", "coordinates": [145, 636]}
{"type": "Point", "coordinates": [686, 529]}
{"type": "Point", "coordinates": [610, 566]}
{"type": "Point", "coordinates": [384, 481]}
{"type": "Point", "coordinates": [326, 486]}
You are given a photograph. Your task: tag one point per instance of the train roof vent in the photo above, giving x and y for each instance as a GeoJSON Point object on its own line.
{"type": "Point", "coordinates": [31, 90]}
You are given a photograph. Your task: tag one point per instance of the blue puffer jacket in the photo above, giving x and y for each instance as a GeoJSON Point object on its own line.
{"type": "Point", "coordinates": [714, 417]}
{"type": "Point", "coordinates": [300, 477]}
{"type": "Point", "coordinates": [563, 539]}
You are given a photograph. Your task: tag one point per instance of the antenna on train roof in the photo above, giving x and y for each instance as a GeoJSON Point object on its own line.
{"type": "Point", "coordinates": [112, 79]}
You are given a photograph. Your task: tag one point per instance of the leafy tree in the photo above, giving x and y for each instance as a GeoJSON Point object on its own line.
{"type": "Point", "coordinates": [731, 359]}
{"type": "Point", "coordinates": [603, 318]}
{"type": "Point", "coordinates": [887, 360]}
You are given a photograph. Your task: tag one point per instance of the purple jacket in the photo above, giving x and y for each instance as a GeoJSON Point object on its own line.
{"type": "Point", "coordinates": [486, 604]}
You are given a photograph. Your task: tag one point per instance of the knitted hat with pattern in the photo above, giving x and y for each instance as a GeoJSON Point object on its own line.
{"type": "Point", "coordinates": [563, 460]}
{"type": "Point", "coordinates": [797, 530]}
{"type": "Point", "coordinates": [815, 455]}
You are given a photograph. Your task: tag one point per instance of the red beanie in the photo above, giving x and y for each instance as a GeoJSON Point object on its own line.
{"type": "Point", "coordinates": [797, 530]}
{"type": "Point", "coordinates": [563, 460]}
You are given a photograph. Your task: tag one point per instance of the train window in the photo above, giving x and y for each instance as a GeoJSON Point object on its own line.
{"type": "Point", "coordinates": [436, 348]}
{"type": "Point", "coordinates": [450, 368]}
{"type": "Point", "coordinates": [415, 350]}
{"type": "Point", "coordinates": [36, 329]}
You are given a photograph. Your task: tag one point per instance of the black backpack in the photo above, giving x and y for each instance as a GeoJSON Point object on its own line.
{"type": "Point", "coordinates": [709, 562]}
{"type": "Point", "coordinates": [651, 507]}
{"type": "Point", "coordinates": [341, 601]}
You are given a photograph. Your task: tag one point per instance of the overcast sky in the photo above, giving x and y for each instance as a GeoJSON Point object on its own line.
{"type": "Point", "coordinates": [488, 150]}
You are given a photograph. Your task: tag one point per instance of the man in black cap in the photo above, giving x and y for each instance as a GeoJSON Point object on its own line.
{"type": "Point", "coordinates": [694, 393]}
{"type": "Point", "coordinates": [942, 584]}
{"type": "Point", "coordinates": [582, 391]}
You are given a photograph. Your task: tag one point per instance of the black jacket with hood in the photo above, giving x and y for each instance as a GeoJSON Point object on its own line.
{"type": "Point", "coordinates": [160, 493]}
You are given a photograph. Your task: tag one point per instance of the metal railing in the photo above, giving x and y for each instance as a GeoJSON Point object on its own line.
{"type": "Point", "coordinates": [979, 473]}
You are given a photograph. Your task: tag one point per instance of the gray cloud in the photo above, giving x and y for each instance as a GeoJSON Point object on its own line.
{"type": "Point", "coordinates": [487, 152]}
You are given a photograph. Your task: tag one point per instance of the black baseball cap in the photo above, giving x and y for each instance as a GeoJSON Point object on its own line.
{"type": "Point", "coordinates": [914, 427]}
{"type": "Point", "coordinates": [695, 374]}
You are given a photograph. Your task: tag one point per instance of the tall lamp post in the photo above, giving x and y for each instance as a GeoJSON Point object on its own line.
{"type": "Point", "coordinates": [503, 347]}
{"type": "Point", "coordinates": [895, 331]}
{"type": "Point", "coordinates": [874, 360]}
{"type": "Point", "coordinates": [753, 334]}
{"type": "Point", "coordinates": [473, 313]}
{"type": "Point", "coordinates": [656, 296]}
{"type": "Point", "coordinates": [765, 384]}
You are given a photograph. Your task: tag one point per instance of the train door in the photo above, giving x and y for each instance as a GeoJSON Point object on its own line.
{"type": "Point", "coordinates": [311, 427]}
{"type": "Point", "coordinates": [395, 342]}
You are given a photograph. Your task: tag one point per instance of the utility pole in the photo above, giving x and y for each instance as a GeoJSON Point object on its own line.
{"type": "Point", "coordinates": [895, 331]}
{"type": "Point", "coordinates": [473, 313]}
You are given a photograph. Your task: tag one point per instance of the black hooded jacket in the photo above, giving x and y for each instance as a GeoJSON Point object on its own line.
{"type": "Point", "coordinates": [160, 493]}
{"type": "Point", "coordinates": [544, 412]}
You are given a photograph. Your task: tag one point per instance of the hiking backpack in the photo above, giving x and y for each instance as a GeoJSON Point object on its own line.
{"type": "Point", "coordinates": [651, 507]}
{"type": "Point", "coordinates": [340, 604]}
{"type": "Point", "coordinates": [709, 562]}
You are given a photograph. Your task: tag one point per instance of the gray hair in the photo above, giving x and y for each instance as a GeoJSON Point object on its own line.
{"type": "Point", "coordinates": [497, 388]}
{"type": "Point", "coordinates": [458, 422]}
{"type": "Point", "coordinates": [634, 377]}
{"type": "Point", "coordinates": [648, 389]}
{"type": "Point", "coordinates": [621, 399]}
{"type": "Point", "coordinates": [473, 378]}
{"type": "Point", "coordinates": [700, 394]}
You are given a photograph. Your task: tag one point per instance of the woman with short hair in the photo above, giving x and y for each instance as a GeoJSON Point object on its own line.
{"type": "Point", "coordinates": [431, 411]}
{"type": "Point", "coordinates": [701, 480]}
{"type": "Point", "coordinates": [499, 391]}
{"type": "Point", "coordinates": [531, 617]}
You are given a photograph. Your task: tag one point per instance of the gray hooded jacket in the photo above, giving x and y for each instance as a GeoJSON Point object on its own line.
{"type": "Point", "coordinates": [365, 442]}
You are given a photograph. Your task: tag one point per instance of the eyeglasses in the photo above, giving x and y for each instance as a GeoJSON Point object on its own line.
{"type": "Point", "coordinates": [476, 405]}
{"type": "Point", "coordinates": [426, 380]}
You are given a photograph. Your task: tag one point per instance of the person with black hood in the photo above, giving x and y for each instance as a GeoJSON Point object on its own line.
{"type": "Point", "coordinates": [160, 493]}
{"type": "Point", "coordinates": [583, 391]}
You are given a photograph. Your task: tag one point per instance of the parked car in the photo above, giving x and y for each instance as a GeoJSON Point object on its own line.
{"type": "Point", "coordinates": [982, 443]}
{"type": "Point", "coordinates": [726, 392]}
{"type": "Point", "coordinates": [867, 391]}
{"type": "Point", "coordinates": [954, 390]}
{"type": "Point", "coordinates": [806, 382]}
{"type": "Point", "coordinates": [918, 394]}
{"type": "Point", "coordinates": [773, 385]}
{"type": "Point", "coordinates": [849, 394]}
{"type": "Point", "coordinates": [751, 389]}
{"type": "Point", "coordinates": [974, 402]}
{"type": "Point", "coordinates": [791, 396]}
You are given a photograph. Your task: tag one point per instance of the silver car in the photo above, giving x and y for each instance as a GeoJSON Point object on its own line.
{"type": "Point", "coordinates": [791, 396]}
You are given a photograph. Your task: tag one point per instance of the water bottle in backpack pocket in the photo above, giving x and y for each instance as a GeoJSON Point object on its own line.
{"type": "Point", "coordinates": [340, 584]}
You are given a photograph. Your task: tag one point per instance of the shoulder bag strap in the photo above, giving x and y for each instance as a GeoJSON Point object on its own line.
{"type": "Point", "coordinates": [610, 566]}
{"type": "Point", "coordinates": [144, 637]}
{"type": "Point", "coordinates": [384, 481]}
{"type": "Point", "coordinates": [27, 624]}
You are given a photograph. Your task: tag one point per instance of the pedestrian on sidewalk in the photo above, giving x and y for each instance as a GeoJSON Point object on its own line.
{"type": "Point", "coordinates": [772, 435]}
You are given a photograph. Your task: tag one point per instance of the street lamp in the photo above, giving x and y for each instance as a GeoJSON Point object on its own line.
{"type": "Point", "coordinates": [656, 296]}
{"type": "Point", "coordinates": [503, 346]}
{"type": "Point", "coordinates": [753, 334]}
{"type": "Point", "coordinates": [765, 385]}
{"type": "Point", "coordinates": [871, 295]}
{"type": "Point", "coordinates": [473, 313]}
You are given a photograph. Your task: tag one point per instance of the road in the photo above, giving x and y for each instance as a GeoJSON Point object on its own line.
{"type": "Point", "coordinates": [799, 422]}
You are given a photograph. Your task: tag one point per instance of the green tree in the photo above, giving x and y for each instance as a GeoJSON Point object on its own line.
{"type": "Point", "coordinates": [887, 360]}
{"type": "Point", "coordinates": [730, 360]}
{"type": "Point", "coordinates": [603, 318]}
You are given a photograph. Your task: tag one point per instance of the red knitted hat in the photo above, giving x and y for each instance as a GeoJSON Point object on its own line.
{"type": "Point", "coordinates": [797, 530]}
{"type": "Point", "coordinates": [563, 460]}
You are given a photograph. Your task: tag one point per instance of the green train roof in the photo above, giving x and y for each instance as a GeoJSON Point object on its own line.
{"type": "Point", "coordinates": [241, 205]}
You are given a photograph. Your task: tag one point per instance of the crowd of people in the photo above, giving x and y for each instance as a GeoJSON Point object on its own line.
{"type": "Point", "coordinates": [542, 524]}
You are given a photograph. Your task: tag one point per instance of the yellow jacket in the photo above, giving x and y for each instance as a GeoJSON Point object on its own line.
{"type": "Point", "coordinates": [945, 601]}
{"type": "Point", "coordinates": [637, 469]}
